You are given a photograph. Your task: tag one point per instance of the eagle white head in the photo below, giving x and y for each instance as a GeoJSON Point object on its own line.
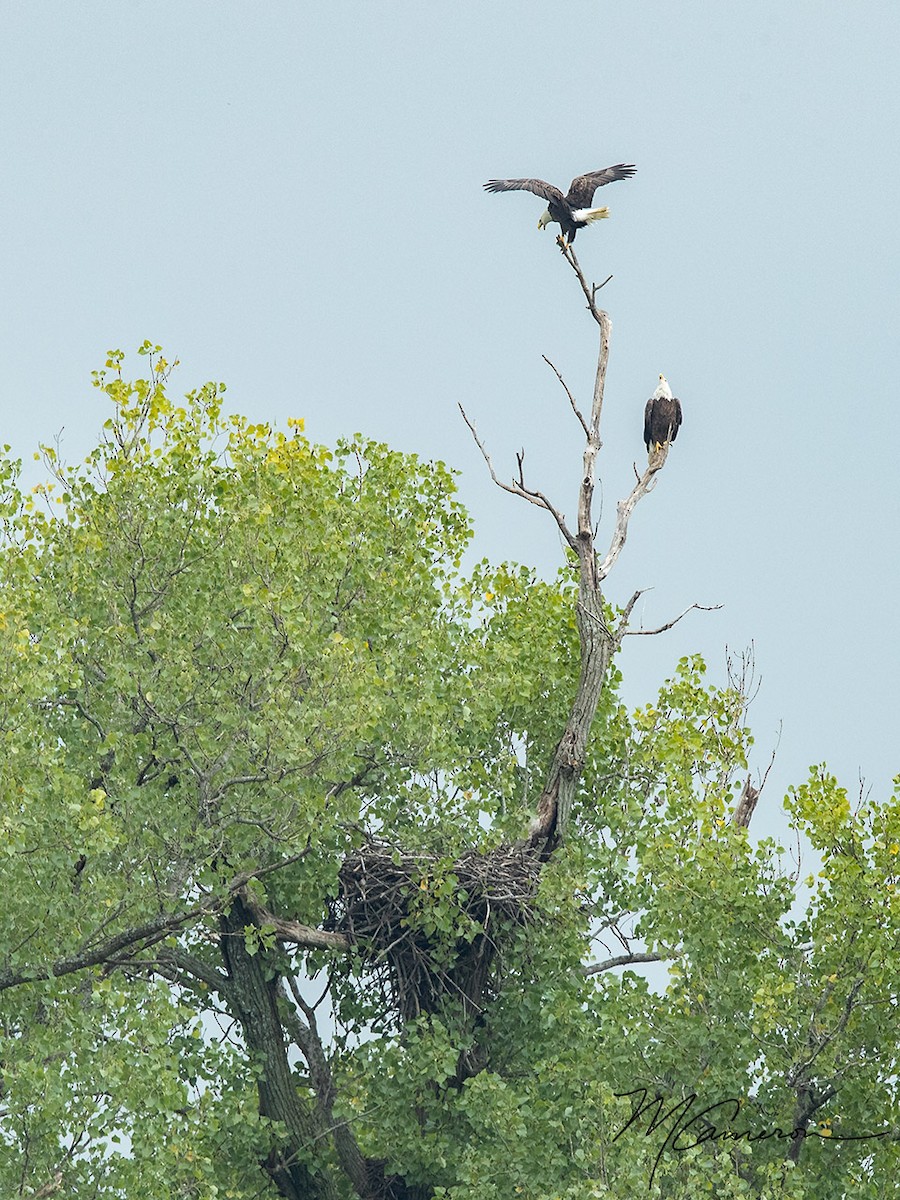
{"type": "Point", "coordinates": [663, 391]}
{"type": "Point", "coordinates": [545, 219]}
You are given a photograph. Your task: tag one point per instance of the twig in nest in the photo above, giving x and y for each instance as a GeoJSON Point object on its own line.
{"type": "Point", "coordinates": [376, 910]}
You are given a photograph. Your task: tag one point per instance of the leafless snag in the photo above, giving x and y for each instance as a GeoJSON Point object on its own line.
{"type": "Point", "coordinates": [750, 793]}
{"type": "Point", "coordinates": [598, 642]}
{"type": "Point", "coordinates": [746, 805]}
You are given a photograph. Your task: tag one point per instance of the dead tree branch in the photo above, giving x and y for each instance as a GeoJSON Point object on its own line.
{"type": "Point", "coordinates": [590, 292]}
{"type": "Point", "coordinates": [670, 624]}
{"type": "Point", "coordinates": [597, 641]}
{"type": "Point", "coordinates": [624, 509]}
{"type": "Point", "coordinates": [575, 409]}
{"type": "Point", "coordinates": [518, 489]}
{"type": "Point", "coordinates": [595, 638]}
{"type": "Point", "coordinates": [746, 805]}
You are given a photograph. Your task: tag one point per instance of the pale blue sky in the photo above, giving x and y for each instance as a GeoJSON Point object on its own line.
{"type": "Point", "coordinates": [288, 197]}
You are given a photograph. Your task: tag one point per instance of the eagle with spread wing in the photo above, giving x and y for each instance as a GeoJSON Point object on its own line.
{"type": "Point", "coordinates": [572, 211]}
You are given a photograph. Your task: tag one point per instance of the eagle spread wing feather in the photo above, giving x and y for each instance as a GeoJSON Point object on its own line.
{"type": "Point", "coordinates": [582, 187]}
{"type": "Point", "coordinates": [545, 190]}
{"type": "Point", "coordinates": [571, 212]}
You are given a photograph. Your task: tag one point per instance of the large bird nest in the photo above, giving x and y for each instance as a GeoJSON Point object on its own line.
{"type": "Point", "coordinates": [430, 930]}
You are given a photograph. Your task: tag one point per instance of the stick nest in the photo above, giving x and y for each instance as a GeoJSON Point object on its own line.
{"type": "Point", "coordinates": [430, 930]}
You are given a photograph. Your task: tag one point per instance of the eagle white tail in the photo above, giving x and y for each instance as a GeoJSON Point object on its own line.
{"type": "Point", "coordinates": [590, 214]}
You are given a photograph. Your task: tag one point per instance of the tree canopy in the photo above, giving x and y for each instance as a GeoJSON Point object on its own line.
{"type": "Point", "coordinates": [328, 862]}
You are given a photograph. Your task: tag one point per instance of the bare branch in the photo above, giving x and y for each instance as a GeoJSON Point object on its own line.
{"type": "Point", "coordinates": [589, 292]}
{"type": "Point", "coordinates": [596, 640]}
{"type": "Point", "coordinates": [628, 609]}
{"type": "Point", "coordinates": [622, 960]}
{"type": "Point", "coordinates": [669, 624]}
{"type": "Point", "coordinates": [518, 489]}
{"type": "Point", "coordinates": [625, 508]}
{"type": "Point", "coordinates": [575, 409]}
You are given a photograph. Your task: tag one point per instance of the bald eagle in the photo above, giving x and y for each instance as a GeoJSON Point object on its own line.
{"type": "Point", "coordinates": [662, 417]}
{"type": "Point", "coordinates": [572, 211]}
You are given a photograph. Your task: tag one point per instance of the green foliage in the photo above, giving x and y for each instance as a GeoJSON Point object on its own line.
{"type": "Point", "coordinates": [228, 653]}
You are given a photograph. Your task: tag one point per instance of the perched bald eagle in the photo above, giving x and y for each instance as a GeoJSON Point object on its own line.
{"type": "Point", "coordinates": [572, 211]}
{"type": "Point", "coordinates": [662, 417]}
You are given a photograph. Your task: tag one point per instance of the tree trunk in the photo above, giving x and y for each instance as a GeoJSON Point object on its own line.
{"type": "Point", "coordinates": [597, 645]}
{"type": "Point", "coordinates": [253, 997]}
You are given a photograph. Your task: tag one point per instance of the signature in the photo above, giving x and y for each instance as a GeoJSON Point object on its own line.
{"type": "Point", "coordinates": [699, 1127]}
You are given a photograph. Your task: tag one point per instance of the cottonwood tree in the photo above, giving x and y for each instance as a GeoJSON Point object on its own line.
{"type": "Point", "coordinates": [328, 867]}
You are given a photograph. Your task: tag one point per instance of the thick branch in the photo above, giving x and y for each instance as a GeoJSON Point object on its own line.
{"type": "Point", "coordinates": [593, 443]}
{"type": "Point", "coordinates": [746, 805]}
{"type": "Point", "coordinates": [180, 963]}
{"type": "Point", "coordinates": [596, 640]}
{"type": "Point", "coordinates": [625, 508]}
{"type": "Point", "coordinates": [622, 960]}
{"type": "Point", "coordinates": [141, 937]}
{"type": "Point", "coordinates": [597, 647]}
{"type": "Point", "coordinates": [306, 936]}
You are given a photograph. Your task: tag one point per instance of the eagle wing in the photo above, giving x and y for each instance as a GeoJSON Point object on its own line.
{"type": "Point", "coordinates": [648, 423]}
{"type": "Point", "coordinates": [546, 190]}
{"type": "Point", "coordinates": [582, 187]}
{"type": "Point", "coordinates": [676, 419]}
